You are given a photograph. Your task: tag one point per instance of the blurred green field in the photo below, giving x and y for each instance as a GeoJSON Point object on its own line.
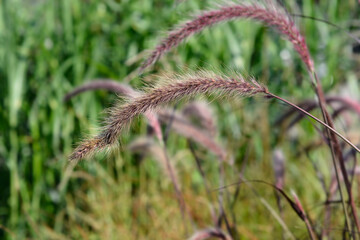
{"type": "Point", "coordinates": [47, 48]}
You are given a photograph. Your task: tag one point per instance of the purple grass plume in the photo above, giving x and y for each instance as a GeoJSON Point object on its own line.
{"type": "Point", "coordinates": [170, 91]}
{"type": "Point", "coordinates": [267, 12]}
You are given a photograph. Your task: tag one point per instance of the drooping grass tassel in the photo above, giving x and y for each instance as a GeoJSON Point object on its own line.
{"type": "Point", "coordinates": [267, 12]}
{"type": "Point", "coordinates": [182, 87]}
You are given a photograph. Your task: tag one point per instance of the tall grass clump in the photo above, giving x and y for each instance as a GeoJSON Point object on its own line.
{"type": "Point", "coordinates": [269, 156]}
{"type": "Point", "coordinates": [175, 88]}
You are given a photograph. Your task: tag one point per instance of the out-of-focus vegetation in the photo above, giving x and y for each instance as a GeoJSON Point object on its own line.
{"type": "Point", "coordinates": [47, 48]}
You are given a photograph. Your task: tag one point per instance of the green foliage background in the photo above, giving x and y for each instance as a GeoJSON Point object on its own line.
{"type": "Point", "coordinates": [49, 47]}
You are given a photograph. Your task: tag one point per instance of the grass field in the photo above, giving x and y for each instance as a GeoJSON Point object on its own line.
{"type": "Point", "coordinates": [47, 48]}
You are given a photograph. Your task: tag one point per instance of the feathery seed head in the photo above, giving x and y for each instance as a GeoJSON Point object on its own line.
{"type": "Point", "coordinates": [267, 12]}
{"type": "Point", "coordinates": [183, 86]}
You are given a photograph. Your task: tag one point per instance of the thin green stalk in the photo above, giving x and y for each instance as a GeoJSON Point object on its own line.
{"type": "Point", "coordinates": [15, 181]}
